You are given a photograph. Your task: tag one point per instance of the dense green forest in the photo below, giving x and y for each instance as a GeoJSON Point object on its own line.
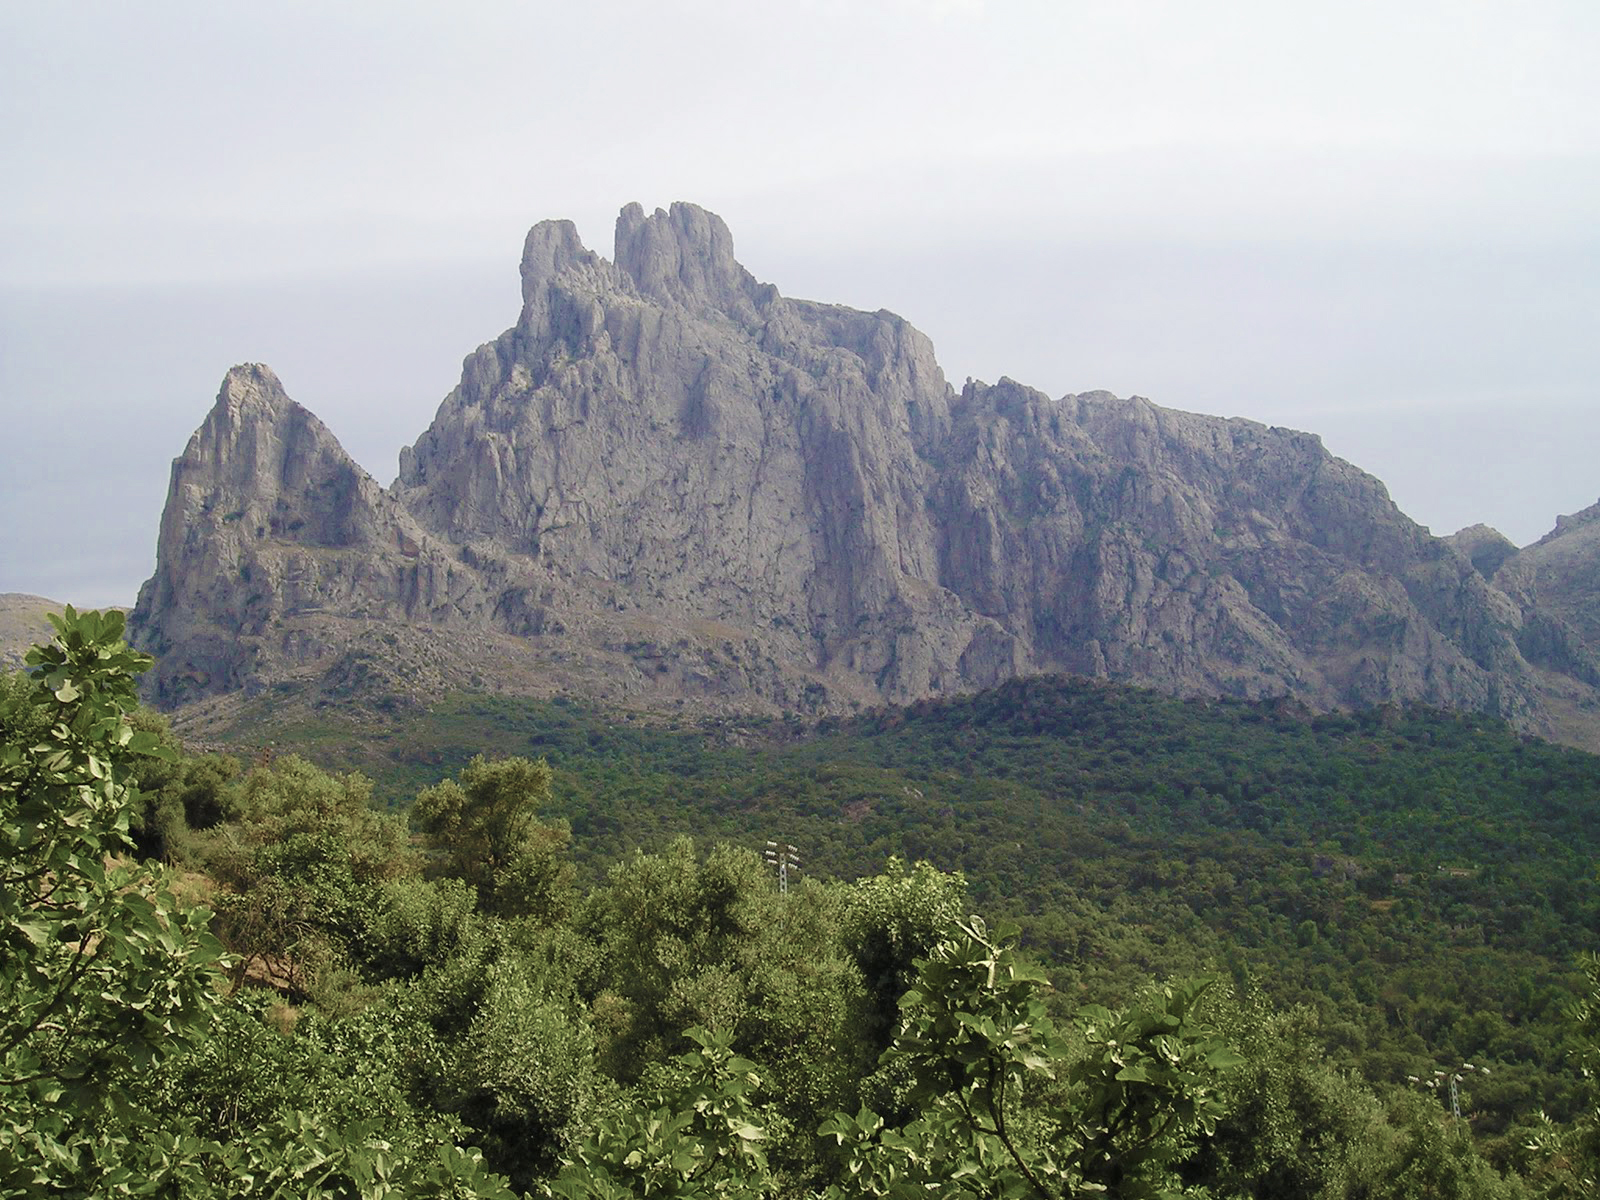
{"type": "Point", "coordinates": [1424, 882]}
{"type": "Point", "coordinates": [1228, 948]}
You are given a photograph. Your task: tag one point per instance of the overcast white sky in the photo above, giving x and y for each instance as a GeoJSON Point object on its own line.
{"type": "Point", "coordinates": [1375, 221]}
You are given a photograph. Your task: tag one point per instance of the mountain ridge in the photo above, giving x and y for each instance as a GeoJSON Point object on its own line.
{"type": "Point", "coordinates": [669, 482]}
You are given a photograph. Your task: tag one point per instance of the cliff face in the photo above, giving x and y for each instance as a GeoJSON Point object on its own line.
{"type": "Point", "coordinates": [1559, 577]}
{"type": "Point", "coordinates": [663, 433]}
{"type": "Point", "coordinates": [1555, 586]}
{"type": "Point", "coordinates": [1210, 556]}
{"type": "Point", "coordinates": [678, 483]}
{"type": "Point", "coordinates": [270, 529]}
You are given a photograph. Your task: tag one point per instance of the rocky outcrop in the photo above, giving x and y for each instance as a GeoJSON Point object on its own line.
{"type": "Point", "coordinates": [1486, 548]}
{"type": "Point", "coordinates": [663, 433]}
{"type": "Point", "coordinates": [1211, 556]}
{"type": "Point", "coordinates": [667, 480]}
{"type": "Point", "coordinates": [270, 534]}
{"type": "Point", "coordinates": [1559, 575]}
{"type": "Point", "coordinates": [1555, 584]}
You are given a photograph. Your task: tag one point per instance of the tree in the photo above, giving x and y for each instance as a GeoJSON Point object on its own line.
{"type": "Point", "coordinates": [891, 921]}
{"type": "Point", "coordinates": [103, 971]}
{"type": "Point", "coordinates": [1565, 1160]}
{"type": "Point", "coordinates": [1295, 1125]}
{"type": "Point", "coordinates": [486, 829]}
{"type": "Point", "coordinates": [302, 871]}
{"type": "Point", "coordinates": [699, 1138]}
{"type": "Point", "coordinates": [177, 793]}
{"type": "Point", "coordinates": [1010, 1107]}
{"type": "Point", "coordinates": [110, 993]}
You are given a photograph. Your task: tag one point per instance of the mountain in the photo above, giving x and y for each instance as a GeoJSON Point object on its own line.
{"type": "Point", "coordinates": [23, 624]}
{"type": "Point", "coordinates": [1557, 576]}
{"type": "Point", "coordinates": [271, 542]}
{"type": "Point", "coordinates": [668, 483]}
{"type": "Point", "coordinates": [1555, 584]}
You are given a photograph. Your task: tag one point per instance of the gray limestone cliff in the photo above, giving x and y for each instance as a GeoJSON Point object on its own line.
{"type": "Point", "coordinates": [1555, 585]}
{"type": "Point", "coordinates": [669, 480]}
{"type": "Point", "coordinates": [1211, 556]}
{"type": "Point", "coordinates": [1560, 575]}
{"type": "Point", "coordinates": [269, 529]}
{"type": "Point", "coordinates": [664, 434]}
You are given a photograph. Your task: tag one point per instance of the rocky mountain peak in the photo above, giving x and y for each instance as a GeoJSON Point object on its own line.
{"type": "Point", "coordinates": [668, 484]}
{"type": "Point", "coordinates": [1572, 523]}
{"type": "Point", "coordinates": [1554, 583]}
{"type": "Point", "coordinates": [683, 257]}
{"type": "Point", "coordinates": [551, 248]}
{"type": "Point", "coordinates": [250, 388]}
{"type": "Point", "coordinates": [269, 527]}
{"type": "Point", "coordinates": [262, 456]}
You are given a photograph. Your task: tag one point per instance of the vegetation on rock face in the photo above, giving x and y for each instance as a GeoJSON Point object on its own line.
{"type": "Point", "coordinates": [359, 1012]}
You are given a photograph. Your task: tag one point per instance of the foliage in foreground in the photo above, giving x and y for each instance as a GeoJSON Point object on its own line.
{"type": "Point", "coordinates": [681, 1030]}
{"type": "Point", "coordinates": [108, 983]}
{"type": "Point", "coordinates": [1422, 881]}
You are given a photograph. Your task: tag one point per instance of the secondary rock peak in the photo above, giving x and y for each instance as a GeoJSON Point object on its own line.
{"type": "Point", "coordinates": [250, 383]}
{"type": "Point", "coordinates": [681, 255]}
{"type": "Point", "coordinates": [551, 247]}
{"type": "Point", "coordinates": [250, 395]}
{"type": "Point", "coordinates": [1573, 521]}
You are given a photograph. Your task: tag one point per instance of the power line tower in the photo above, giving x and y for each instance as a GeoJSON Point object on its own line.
{"type": "Point", "coordinates": [1450, 1081]}
{"type": "Point", "coordinates": [782, 856]}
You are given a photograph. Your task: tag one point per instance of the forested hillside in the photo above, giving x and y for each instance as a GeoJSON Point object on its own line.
{"type": "Point", "coordinates": [1255, 924]}
{"type": "Point", "coordinates": [1423, 881]}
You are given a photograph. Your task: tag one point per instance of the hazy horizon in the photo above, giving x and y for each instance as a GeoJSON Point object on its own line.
{"type": "Point", "coordinates": [1374, 225]}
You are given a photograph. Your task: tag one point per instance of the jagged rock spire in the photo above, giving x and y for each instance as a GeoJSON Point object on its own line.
{"type": "Point", "coordinates": [669, 480]}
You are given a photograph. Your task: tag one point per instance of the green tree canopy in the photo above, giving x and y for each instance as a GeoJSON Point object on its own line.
{"type": "Point", "coordinates": [102, 971]}
{"type": "Point", "coordinates": [485, 828]}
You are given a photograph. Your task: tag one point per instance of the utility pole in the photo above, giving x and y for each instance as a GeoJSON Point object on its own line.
{"type": "Point", "coordinates": [1453, 1080]}
{"type": "Point", "coordinates": [782, 856]}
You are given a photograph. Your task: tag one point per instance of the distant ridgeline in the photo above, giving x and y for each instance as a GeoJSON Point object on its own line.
{"type": "Point", "coordinates": [23, 622]}
{"type": "Point", "coordinates": [669, 485]}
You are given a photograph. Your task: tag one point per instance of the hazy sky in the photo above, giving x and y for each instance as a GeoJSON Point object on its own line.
{"type": "Point", "coordinates": [1375, 221]}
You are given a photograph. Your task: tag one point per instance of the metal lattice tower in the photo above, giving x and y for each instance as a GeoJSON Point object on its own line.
{"type": "Point", "coordinates": [1453, 1080]}
{"type": "Point", "coordinates": [782, 856]}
